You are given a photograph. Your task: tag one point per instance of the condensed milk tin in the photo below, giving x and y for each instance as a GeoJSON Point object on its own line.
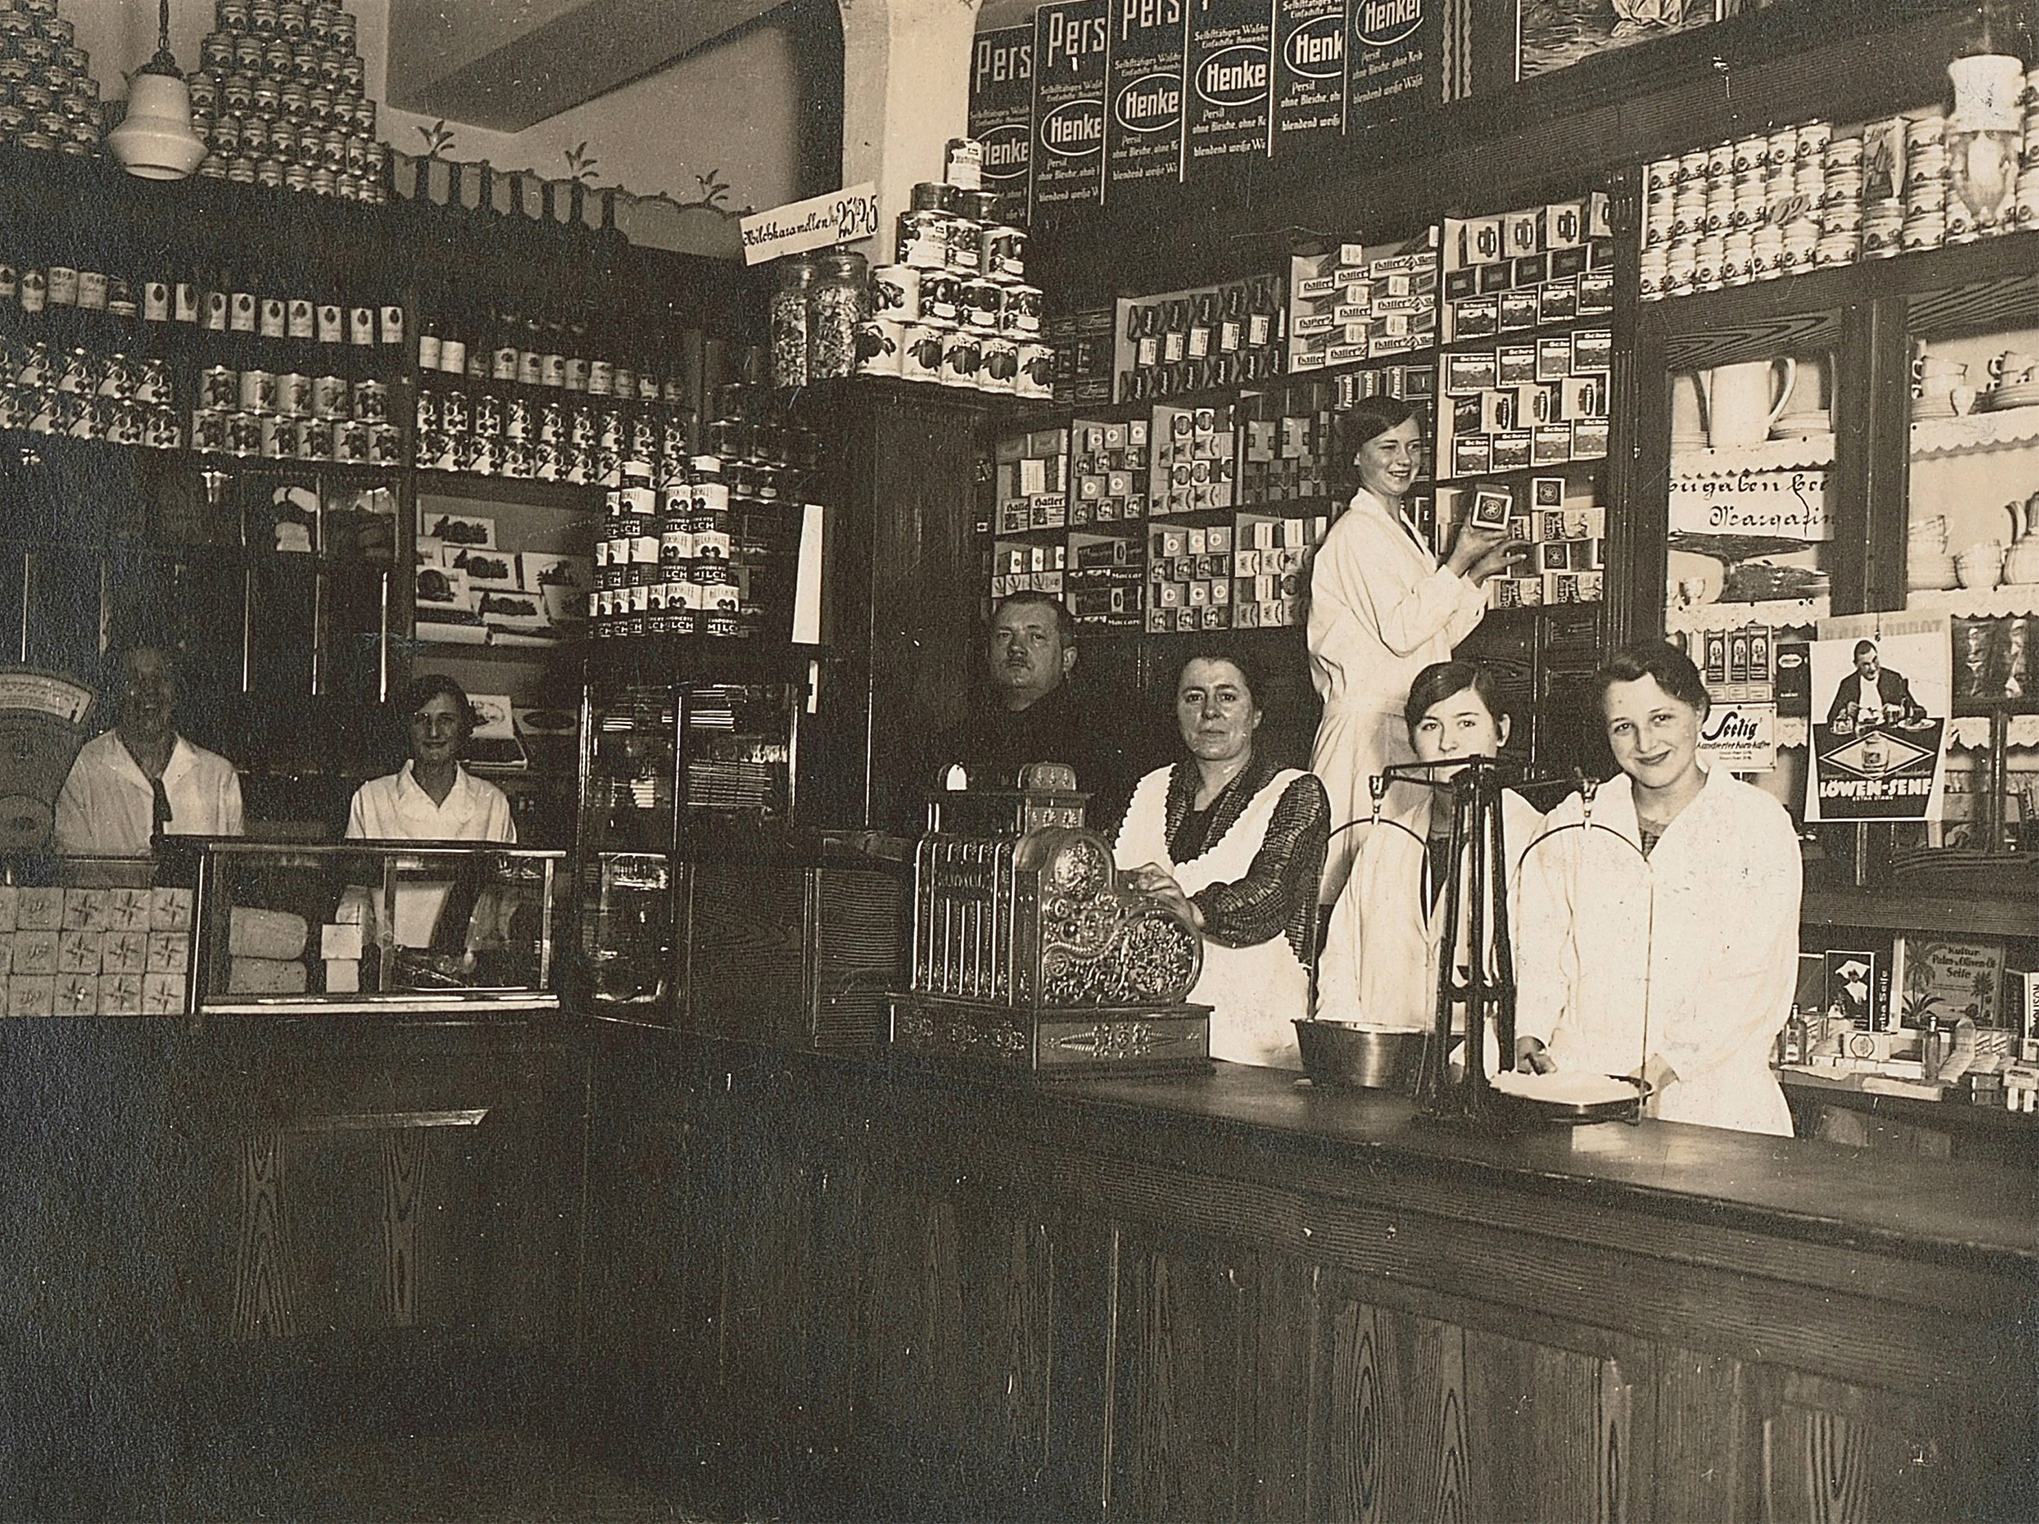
{"type": "Point", "coordinates": [940, 298]}
{"type": "Point", "coordinates": [963, 163]}
{"type": "Point", "coordinates": [980, 302]}
{"type": "Point", "coordinates": [924, 240]}
{"type": "Point", "coordinates": [217, 387]}
{"type": "Point", "coordinates": [920, 352]}
{"type": "Point", "coordinates": [1003, 252]}
{"type": "Point", "coordinates": [878, 347]}
{"type": "Point", "coordinates": [1036, 375]}
{"type": "Point", "coordinates": [962, 358]}
{"type": "Point", "coordinates": [1021, 313]}
{"type": "Point", "coordinates": [329, 398]}
{"type": "Point", "coordinates": [999, 370]}
{"type": "Point", "coordinates": [895, 293]}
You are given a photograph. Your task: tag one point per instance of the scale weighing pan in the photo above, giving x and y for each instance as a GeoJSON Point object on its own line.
{"type": "Point", "coordinates": [1561, 1111]}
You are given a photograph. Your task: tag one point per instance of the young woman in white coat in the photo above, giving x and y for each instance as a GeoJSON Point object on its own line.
{"type": "Point", "coordinates": [1380, 961]}
{"type": "Point", "coordinates": [1381, 609]}
{"type": "Point", "coordinates": [1662, 937]}
{"type": "Point", "coordinates": [1236, 843]}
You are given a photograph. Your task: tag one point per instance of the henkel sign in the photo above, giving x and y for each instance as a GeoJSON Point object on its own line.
{"type": "Point", "coordinates": [1143, 135]}
{"type": "Point", "coordinates": [1309, 72]}
{"type": "Point", "coordinates": [1002, 107]}
{"type": "Point", "coordinates": [1071, 40]}
{"type": "Point", "coordinates": [1230, 68]}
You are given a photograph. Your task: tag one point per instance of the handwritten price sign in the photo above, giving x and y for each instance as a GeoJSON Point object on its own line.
{"type": "Point", "coordinates": [843, 216]}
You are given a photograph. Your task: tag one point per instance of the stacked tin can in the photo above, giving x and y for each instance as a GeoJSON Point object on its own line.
{"type": "Point", "coordinates": [694, 553]}
{"type": "Point", "coordinates": [279, 98]}
{"type": "Point", "coordinates": [292, 416]}
{"type": "Point", "coordinates": [2025, 206]}
{"type": "Point", "coordinates": [955, 308]}
{"type": "Point", "coordinates": [48, 98]}
{"type": "Point", "coordinates": [83, 393]}
{"type": "Point", "coordinates": [470, 421]}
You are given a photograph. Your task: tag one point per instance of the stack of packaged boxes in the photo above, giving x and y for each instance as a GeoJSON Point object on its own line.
{"type": "Point", "coordinates": [1363, 302]}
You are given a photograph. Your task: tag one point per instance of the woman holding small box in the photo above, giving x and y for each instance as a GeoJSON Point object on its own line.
{"type": "Point", "coordinates": [1382, 608]}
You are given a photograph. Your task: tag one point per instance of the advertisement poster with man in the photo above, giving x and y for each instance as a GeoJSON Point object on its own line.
{"type": "Point", "coordinates": [1882, 689]}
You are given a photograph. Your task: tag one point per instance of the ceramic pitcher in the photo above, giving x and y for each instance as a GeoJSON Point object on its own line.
{"type": "Point", "coordinates": [1739, 403]}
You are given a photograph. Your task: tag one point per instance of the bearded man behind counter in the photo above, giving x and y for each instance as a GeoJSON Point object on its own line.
{"type": "Point", "coordinates": [1034, 709]}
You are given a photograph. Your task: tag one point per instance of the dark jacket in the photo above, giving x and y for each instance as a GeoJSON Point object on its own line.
{"type": "Point", "coordinates": [1098, 733]}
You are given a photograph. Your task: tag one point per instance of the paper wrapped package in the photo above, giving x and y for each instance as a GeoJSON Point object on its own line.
{"type": "Point", "coordinates": [275, 934]}
{"type": "Point", "coordinates": [267, 976]}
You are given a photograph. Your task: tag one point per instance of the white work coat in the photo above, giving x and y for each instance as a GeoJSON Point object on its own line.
{"type": "Point", "coordinates": [396, 808]}
{"type": "Point", "coordinates": [107, 807]}
{"type": "Point", "coordinates": [1381, 610]}
{"type": "Point", "coordinates": [1381, 954]}
{"type": "Point", "coordinates": [1255, 993]}
{"type": "Point", "coordinates": [1690, 957]}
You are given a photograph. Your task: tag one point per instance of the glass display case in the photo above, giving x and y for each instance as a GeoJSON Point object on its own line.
{"type": "Point", "coordinates": [684, 785]}
{"type": "Point", "coordinates": [386, 927]}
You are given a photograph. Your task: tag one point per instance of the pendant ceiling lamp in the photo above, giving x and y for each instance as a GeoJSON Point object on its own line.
{"type": "Point", "coordinates": [155, 140]}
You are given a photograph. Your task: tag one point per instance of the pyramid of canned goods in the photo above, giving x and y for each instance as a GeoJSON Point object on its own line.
{"type": "Point", "coordinates": [48, 98]}
{"type": "Point", "coordinates": [279, 100]}
{"type": "Point", "coordinates": [954, 308]}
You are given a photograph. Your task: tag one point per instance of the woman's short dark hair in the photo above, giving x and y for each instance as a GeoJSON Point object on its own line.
{"type": "Point", "coordinates": [1659, 659]}
{"type": "Point", "coordinates": [1248, 667]}
{"type": "Point", "coordinates": [431, 685]}
{"type": "Point", "coordinates": [1370, 418]}
{"type": "Point", "coordinates": [1446, 679]}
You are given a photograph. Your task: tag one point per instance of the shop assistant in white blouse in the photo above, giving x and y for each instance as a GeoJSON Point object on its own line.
{"type": "Point", "coordinates": [1381, 610]}
{"type": "Point", "coordinates": [108, 803]}
{"type": "Point", "coordinates": [1668, 945]}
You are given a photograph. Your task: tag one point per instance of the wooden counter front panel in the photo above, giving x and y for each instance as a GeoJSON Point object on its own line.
{"type": "Point", "coordinates": [916, 1321]}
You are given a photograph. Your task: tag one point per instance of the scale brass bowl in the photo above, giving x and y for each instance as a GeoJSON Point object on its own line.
{"type": "Point", "coordinates": [1341, 1056]}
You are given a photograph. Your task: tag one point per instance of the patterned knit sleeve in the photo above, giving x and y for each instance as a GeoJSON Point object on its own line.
{"type": "Point", "coordinates": [1278, 895]}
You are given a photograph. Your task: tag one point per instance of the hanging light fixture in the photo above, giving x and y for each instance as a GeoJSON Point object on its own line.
{"type": "Point", "coordinates": [155, 140]}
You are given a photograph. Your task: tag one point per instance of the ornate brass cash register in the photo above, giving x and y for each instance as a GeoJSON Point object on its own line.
{"type": "Point", "coordinates": [1027, 953]}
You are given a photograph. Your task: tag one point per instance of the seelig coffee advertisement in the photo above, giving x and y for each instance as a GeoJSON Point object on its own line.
{"type": "Point", "coordinates": [1143, 129]}
{"type": "Point", "coordinates": [1071, 40]}
{"type": "Point", "coordinates": [1231, 82]}
{"type": "Point", "coordinates": [1392, 59]}
{"type": "Point", "coordinates": [1309, 72]}
{"type": "Point", "coordinates": [1002, 107]}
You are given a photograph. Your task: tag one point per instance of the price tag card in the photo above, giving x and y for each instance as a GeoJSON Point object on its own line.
{"type": "Point", "coordinates": [820, 222]}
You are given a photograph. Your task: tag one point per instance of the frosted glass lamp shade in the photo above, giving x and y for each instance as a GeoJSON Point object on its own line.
{"type": "Point", "coordinates": [155, 139]}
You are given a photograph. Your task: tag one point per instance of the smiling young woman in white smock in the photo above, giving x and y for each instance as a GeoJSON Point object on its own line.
{"type": "Point", "coordinates": [1382, 608]}
{"type": "Point", "coordinates": [1237, 845]}
{"type": "Point", "coordinates": [1662, 938]}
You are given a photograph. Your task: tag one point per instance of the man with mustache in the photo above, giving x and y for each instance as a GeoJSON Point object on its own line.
{"type": "Point", "coordinates": [1032, 713]}
{"type": "Point", "coordinates": [141, 780]}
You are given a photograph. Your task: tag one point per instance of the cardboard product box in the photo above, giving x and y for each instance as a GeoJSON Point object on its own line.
{"type": "Point", "coordinates": [1462, 282]}
{"type": "Point", "coordinates": [1554, 357]}
{"type": "Point", "coordinates": [1512, 451]}
{"type": "Point", "coordinates": [168, 952]}
{"type": "Point", "coordinates": [1518, 311]}
{"type": "Point", "coordinates": [126, 909]}
{"type": "Point", "coordinates": [1596, 293]}
{"type": "Point", "coordinates": [1514, 592]}
{"type": "Point", "coordinates": [1550, 444]}
{"type": "Point", "coordinates": [1547, 492]}
{"type": "Point", "coordinates": [1557, 301]}
{"type": "Point", "coordinates": [1470, 373]}
{"type": "Point", "coordinates": [1589, 438]}
{"type": "Point", "coordinates": [1530, 271]}
{"type": "Point", "coordinates": [124, 952]}
{"type": "Point", "coordinates": [1515, 365]}
{"type": "Point", "coordinates": [79, 952]}
{"type": "Point", "coordinates": [1567, 262]}
{"type": "Point", "coordinates": [31, 995]}
{"type": "Point", "coordinates": [1593, 350]}
{"type": "Point", "coordinates": [76, 995]}
{"type": "Point", "coordinates": [84, 910]}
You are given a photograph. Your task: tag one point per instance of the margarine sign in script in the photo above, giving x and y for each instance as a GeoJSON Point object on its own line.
{"type": "Point", "coordinates": [819, 222]}
{"type": "Point", "coordinates": [1784, 505]}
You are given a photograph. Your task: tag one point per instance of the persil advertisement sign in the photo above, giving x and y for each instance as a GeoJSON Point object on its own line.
{"type": "Point", "coordinates": [1309, 72]}
{"type": "Point", "coordinates": [1392, 57]}
{"type": "Point", "coordinates": [1230, 68]}
{"type": "Point", "coordinates": [1002, 107]}
{"type": "Point", "coordinates": [1070, 43]}
{"type": "Point", "coordinates": [1143, 131]}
